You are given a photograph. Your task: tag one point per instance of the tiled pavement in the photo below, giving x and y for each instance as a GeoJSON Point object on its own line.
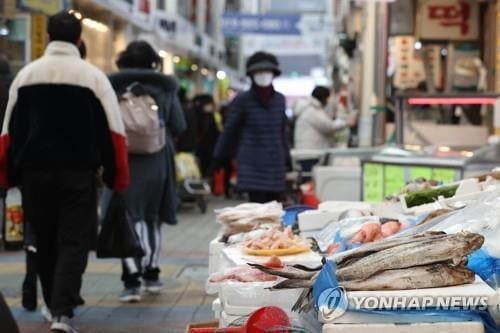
{"type": "Point", "coordinates": [184, 271]}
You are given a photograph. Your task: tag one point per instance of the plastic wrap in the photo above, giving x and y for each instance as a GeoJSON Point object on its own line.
{"type": "Point", "coordinates": [341, 233]}
{"type": "Point", "coordinates": [248, 216]}
{"type": "Point", "coordinates": [247, 288]}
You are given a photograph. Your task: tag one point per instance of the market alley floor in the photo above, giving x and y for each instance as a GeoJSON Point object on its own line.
{"type": "Point", "coordinates": [184, 271]}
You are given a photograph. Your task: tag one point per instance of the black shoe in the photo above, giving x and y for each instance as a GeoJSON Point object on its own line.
{"type": "Point", "coordinates": [30, 296]}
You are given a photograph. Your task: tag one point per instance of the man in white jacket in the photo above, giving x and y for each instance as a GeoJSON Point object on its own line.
{"type": "Point", "coordinates": [315, 128]}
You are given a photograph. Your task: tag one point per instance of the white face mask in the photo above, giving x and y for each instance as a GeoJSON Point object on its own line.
{"type": "Point", "coordinates": [263, 79]}
{"type": "Point", "coordinates": [208, 108]}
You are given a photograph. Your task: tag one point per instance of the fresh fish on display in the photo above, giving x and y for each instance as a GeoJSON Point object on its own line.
{"type": "Point", "coordinates": [418, 277]}
{"type": "Point", "coordinates": [428, 251]}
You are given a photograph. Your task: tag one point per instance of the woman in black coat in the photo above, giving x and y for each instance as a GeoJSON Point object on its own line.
{"type": "Point", "coordinates": [257, 125]}
{"type": "Point", "coordinates": [151, 196]}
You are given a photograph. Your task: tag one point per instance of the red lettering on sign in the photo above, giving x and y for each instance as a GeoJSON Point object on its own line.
{"type": "Point", "coordinates": [452, 15]}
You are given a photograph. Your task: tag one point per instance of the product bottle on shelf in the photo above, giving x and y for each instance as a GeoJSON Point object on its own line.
{"type": "Point", "coordinates": [14, 220]}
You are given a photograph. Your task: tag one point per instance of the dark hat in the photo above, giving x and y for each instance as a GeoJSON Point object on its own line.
{"type": "Point", "coordinates": [262, 61]}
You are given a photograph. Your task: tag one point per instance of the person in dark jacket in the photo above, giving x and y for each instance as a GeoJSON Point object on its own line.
{"type": "Point", "coordinates": [208, 132]}
{"type": "Point", "coordinates": [62, 123]}
{"type": "Point", "coordinates": [152, 194]}
{"type": "Point", "coordinates": [187, 141]}
{"type": "Point", "coordinates": [257, 124]}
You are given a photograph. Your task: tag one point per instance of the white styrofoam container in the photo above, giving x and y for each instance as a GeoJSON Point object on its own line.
{"type": "Point", "coordinates": [214, 252]}
{"type": "Point", "coordinates": [341, 206]}
{"type": "Point", "coordinates": [337, 182]}
{"type": "Point", "coordinates": [244, 296]}
{"type": "Point", "coordinates": [217, 308]}
{"type": "Point", "coordinates": [317, 219]}
{"type": "Point", "coordinates": [226, 320]}
{"type": "Point", "coordinates": [449, 327]}
{"type": "Point", "coordinates": [473, 290]}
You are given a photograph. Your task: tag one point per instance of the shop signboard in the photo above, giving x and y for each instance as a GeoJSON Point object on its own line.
{"type": "Point", "coordinates": [456, 20]}
{"type": "Point", "coordinates": [283, 45]}
{"type": "Point", "coordinates": [8, 8]}
{"type": "Point", "coordinates": [143, 12]}
{"type": "Point", "coordinates": [139, 12]}
{"type": "Point", "coordinates": [38, 35]}
{"type": "Point", "coordinates": [235, 24]}
{"type": "Point", "coordinates": [48, 7]}
{"type": "Point", "coordinates": [402, 18]}
{"type": "Point", "coordinates": [175, 29]}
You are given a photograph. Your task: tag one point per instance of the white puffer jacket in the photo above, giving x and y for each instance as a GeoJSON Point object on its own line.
{"type": "Point", "coordinates": [314, 128]}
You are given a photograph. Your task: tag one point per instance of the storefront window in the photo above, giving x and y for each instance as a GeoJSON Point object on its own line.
{"type": "Point", "coordinates": [184, 8]}
{"type": "Point", "coordinates": [14, 41]}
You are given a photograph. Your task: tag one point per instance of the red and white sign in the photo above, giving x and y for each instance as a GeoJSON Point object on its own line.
{"type": "Point", "coordinates": [448, 20]}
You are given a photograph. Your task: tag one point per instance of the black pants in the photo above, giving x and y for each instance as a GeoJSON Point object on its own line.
{"type": "Point", "coordinates": [263, 197]}
{"type": "Point", "coordinates": [7, 322]}
{"type": "Point", "coordinates": [61, 207]}
{"type": "Point", "coordinates": [147, 267]}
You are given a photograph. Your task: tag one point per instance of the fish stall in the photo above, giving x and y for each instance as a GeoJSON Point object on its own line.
{"type": "Point", "coordinates": [426, 259]}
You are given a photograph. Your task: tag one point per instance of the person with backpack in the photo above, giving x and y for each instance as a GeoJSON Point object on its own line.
{"type": "Point", "coordinates": [153, 116]}
{"type": "Point", "coordinates": [62, 123]}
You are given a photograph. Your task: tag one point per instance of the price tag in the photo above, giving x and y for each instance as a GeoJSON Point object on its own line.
{"type": "Point", "coordinates": [394, 179]}
{"type": "Point", "coordinates": [420, 172]}
{"type": "Point", "coordinates": [373, 182]}
{"type": "Point", "coordinates": [444, 175]}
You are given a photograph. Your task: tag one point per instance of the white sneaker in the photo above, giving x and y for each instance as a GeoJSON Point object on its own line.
{"type": "Point", "coordinates": [62, 324]}
{"type": "Point", "coordinates": [130, 295]}
{"type": "Point", "coordinates": [46, 313]}
{"type": "Point", "coordinates": [153, 287]}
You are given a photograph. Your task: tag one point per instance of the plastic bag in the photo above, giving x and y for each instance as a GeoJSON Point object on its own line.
{"type": "Point", "coordinates": [248, 216]}
{"type": "Point", "coordinates": [482, 217]}
{"type": "Point", "coordinates": [118, 238]}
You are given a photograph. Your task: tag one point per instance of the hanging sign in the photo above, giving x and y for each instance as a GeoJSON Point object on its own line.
{"type": "Point", "coordinates": [456, 20]}
{"type": "Point", "coordinates": [8, 8]}
{"type": "Point", "coordinates": [49, 7]}
{"type": "Point", "coordinates": [38, 35]}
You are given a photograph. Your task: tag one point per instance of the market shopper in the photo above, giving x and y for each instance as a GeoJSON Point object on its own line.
{"type": "Point", "coordinates": [208, 130]}
{"type": "Point", "coordinates": [151, 197]}
{"type": "Point", "coordinates": [314, 128]}
{"type": "Point", "coordinates": [62, 123]}
{"type": "Point", "coordinates": [257, 126]}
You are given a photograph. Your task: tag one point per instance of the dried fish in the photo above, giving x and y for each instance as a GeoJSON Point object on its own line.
{"type": "Point", "coordinates": [293, 274]}
{"type": "Point", "coordinates": [428, 276]}
{"type": "Point", "coordinates": [367, 249]}
{"type": "Point", "coordinates": [452, 247]}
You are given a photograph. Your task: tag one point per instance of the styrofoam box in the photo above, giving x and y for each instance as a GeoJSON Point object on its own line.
{"type": "Point", "coordinates": [344, 205]}
{"type": "Point", "coordinates": [242, 296]}
{"type": "Point", "coordinates": [317, 219]}
{"type": "Point", "coordinates": [214, 251]}
{"type": "Point", "coordinates": [217, 308]}
{"type": "Point", "coordinates": [226, 320]}
{"type": "Point", "coordinates": [337, 182]}
{"type": "Point", "coordinates": [233, 256]}
{"type": "Point", "coordinates": [474, 290]}
{"type": "Point", "coordinates": [227, 317]}
{"type": "Point", "coordinates": [450, 327]}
